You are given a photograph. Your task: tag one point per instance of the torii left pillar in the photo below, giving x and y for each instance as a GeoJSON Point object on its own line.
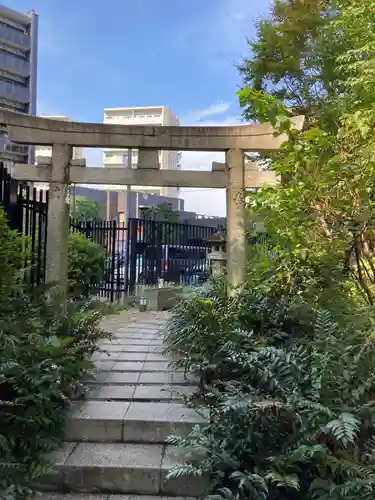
{"type": "Point", "coordinates": [58, 221]}
{"type": "Point", "coordinates": [236, 219]}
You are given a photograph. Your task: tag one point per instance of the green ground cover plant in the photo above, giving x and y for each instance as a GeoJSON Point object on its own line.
{"type": "Point", "coordinates": [45, 351]}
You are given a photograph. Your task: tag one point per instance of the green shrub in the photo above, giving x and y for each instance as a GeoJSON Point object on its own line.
{"type": "Point", "coordinates": [45, 352]}
{"type": "Point", "coordinates": [289, 397]}
{"type": "Point", "coordinates": [204, 323]}
{"type": "Point", "coordinates": [11, 257]}
{"type": "Point", "coordinates": [86, 264]}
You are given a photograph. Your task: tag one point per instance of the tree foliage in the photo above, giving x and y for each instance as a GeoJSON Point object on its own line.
{"type": "Point", "coordinates": [86, 210]}
{"type": "Point", "coordinates": [45, 352]}
{"type": "Point", "coordinates": [286, 365]}
{"type": "Point", "coordinates": [162, 212]}
{"type": "Point", "coordinates": [86, 264]}
{"type": "Point", "coordinates": [325, 206]}
{"type": "Point", "coordinates": [289, 397]}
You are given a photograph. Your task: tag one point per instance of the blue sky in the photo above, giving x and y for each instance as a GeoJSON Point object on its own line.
{"type": "Point", "coordinates": [177, 53]}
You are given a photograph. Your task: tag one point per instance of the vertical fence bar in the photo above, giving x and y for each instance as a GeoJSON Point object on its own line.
{"type": "Point", "coordinates": [133, 234]}
{"type": "Point", "coordinates": [113, 250]}
{"type": "Point", "coordinates": [39, 239]}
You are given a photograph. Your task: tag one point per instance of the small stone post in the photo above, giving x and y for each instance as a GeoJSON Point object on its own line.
{"type": "Point", "coordinates": [217, 257]}
{"type": "Point", "coordinates": [236, 221]}
{"type": "Point", "coordinates": [58, 220]}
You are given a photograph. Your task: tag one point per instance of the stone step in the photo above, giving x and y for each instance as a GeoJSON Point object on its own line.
{"type": "Point", "coordinates": [115, 468]}
{"type": "Point", "coordinates": [140, 393]}
{"type": "Point", "coordinates": [120, 421]}
{"type": "Point", "coordinates": [94, 496]}
{"type": "Point", "coordinates": [130, 377]}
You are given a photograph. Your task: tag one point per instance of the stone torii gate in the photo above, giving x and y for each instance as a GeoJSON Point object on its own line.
{"type": "Point", "coordinates": [61, 170]}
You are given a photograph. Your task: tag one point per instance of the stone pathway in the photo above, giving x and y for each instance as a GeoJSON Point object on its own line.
{"type": "Point", "coordinates": [114, 445]}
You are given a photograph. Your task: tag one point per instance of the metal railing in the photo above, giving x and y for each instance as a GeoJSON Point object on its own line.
{"type": "Point", "coordinates": [14, 92]}
{"type": "Point", "coordinates": [9, 34]}
{"type": "Point", "coordinates": [26, 210]}
{"type": "Point", "coordinates": [173, 252]}
{"type": "Point", "coordinates": [14, 64]}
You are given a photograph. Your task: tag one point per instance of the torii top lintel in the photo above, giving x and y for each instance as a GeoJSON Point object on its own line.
{"type": "Point", "coordinates": [34, 130]}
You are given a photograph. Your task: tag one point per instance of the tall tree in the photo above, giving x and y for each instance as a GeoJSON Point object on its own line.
{"type": "Point", "coordinates": [318, 59]}
{"type": "Point", "coordinates": [294, 58]}
{"type": "Point", "coordinates": [163, 212]}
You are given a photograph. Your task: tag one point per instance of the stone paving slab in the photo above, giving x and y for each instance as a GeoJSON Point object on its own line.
{"type": "Point", "coordinates": [140, 392]}
{"type": "Point", "coordinates": [124, 468]}
{"type": "Point", "coordinates": [104, 365]}
{"type": "Point", "coordinates": [100, 421]}
{"type": "Point", "coordinates": [121, 356]}
{"type": "Point", "coordinates": [122, 378]}
{"type": "Point", "coordinates": [111, 392]}
{"type": "Point", "coordinates": [152, 392]}
{"type": "Point", "coordinates": [117, 434]}
{"type": "Point", "coordinates": [138, 422]}
{"type": "Point", "coordinates": [135, 348]}
{"type": "Point", "coordinates": [157, 366]}
{"type": "Point", "coordinates": [154, 422]}
{"type": "Point", "coordinates": [132, 356]}
{"type": "Point", "coordinates": [115, 468]}
{"type": "Point", "coordinates": [128, 366]}
{"type": "Point", "coordinates": [155, 357]}
{"type": "Point", "coordinates": [179, 486]}
{"type": "Point", "coordinates": [142, 378]}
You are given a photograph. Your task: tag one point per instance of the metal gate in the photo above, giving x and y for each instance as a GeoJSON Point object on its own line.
{"type": "Point", "coordinates": [26, 211]}
{"type": "Point", "coordinates": [173, 252]}
{"type": "Point", "coordinates": [112, 236]}
{"type": "Point", "coordinates": [141, 254]}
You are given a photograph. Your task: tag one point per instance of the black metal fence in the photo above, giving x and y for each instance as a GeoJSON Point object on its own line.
{"type": "Point", "coordinates": [173, 252]}
{"type": "Point", "coordinates": [111, 235]}
{"type": "Point", "coordinates": [141, 254]}
{"type": "Point", "coordinates": [26, 210]}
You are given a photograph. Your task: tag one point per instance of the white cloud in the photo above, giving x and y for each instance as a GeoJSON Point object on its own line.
{"type": "Point", "coordinates": [212, 110]}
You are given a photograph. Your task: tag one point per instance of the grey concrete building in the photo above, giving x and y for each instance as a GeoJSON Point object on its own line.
{"type": "Point", "coordinates": [18, 74]}
{"type": "Point", "coordinates": [113, 206]}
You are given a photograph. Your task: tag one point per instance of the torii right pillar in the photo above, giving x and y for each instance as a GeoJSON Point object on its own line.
{"type": "Point", "coordinates": [236, 219]}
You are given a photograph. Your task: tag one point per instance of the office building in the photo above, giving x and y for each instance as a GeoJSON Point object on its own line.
{"type": "Point", "coordinates": [143, 115]}
{"type": "Point", "coordinates": [18, 74]}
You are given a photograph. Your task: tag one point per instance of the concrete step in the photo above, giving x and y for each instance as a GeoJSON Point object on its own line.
{"type": "Point", "coordinates": [121, 421]}
{"type": "Point", "coordinates": [140, 393]}
{"type": "Point", "coordinates": [115, 468]}
{"type": "Point", "coordinates": [129, 377]}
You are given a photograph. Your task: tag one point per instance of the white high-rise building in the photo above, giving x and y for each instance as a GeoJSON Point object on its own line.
{"type": "Point", "coordinates": [18, 74]}
{"type": "Point", "coordinates": [143, 115]}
